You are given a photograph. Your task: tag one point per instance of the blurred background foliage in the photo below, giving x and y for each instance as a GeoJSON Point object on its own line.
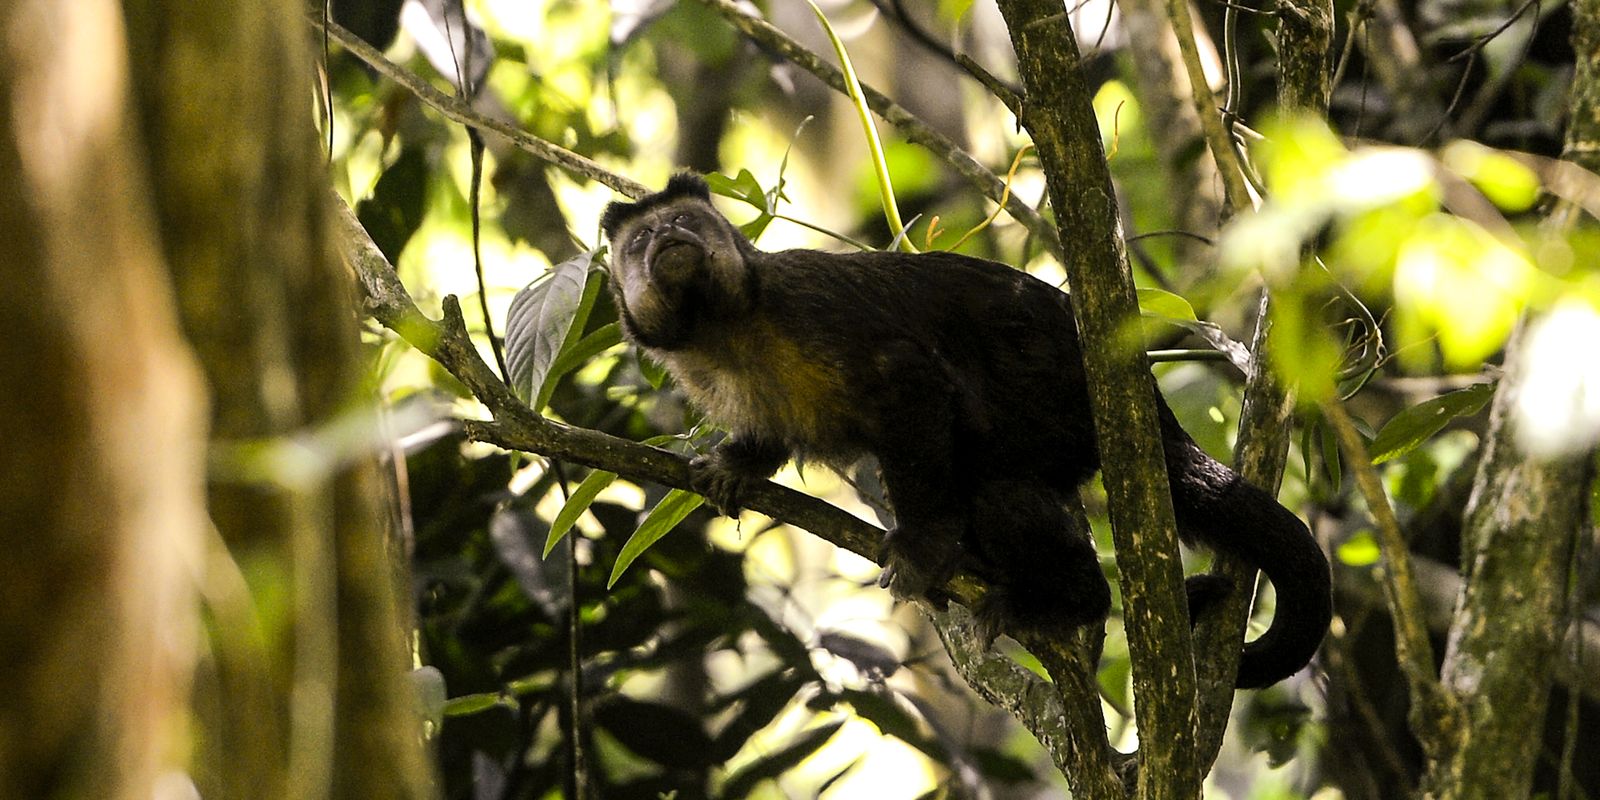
{"type": "Point", "coordinates": [738, 658]}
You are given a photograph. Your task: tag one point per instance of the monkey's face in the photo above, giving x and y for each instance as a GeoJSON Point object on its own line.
{"type": "Point", "coordinates": [674, 266]}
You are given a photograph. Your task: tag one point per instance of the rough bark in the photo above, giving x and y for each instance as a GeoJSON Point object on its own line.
{"type": "Point", "coordinates": [100, 473]}
{"type": "Point", "coordinates": [1305, 35]}
{"type": "Point", "coordinates": [1061, 121]}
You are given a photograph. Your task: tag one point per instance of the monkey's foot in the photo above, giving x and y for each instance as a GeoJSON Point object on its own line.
{"type": "Point", "coordinates": [724, 487]}
{"type": "Point", "coordinates": [915, 562]}
{"type": "Point", "coordinates": [1004, 609]}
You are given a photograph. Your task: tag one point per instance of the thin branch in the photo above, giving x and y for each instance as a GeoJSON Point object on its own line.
{"type": "Point", "coordinates": [1435, 713]}
{"type": "Point", "coordinates": [458, 110]}
{"type": "Point", "coordinates": [1066, 719]}
{"type": "Point", "coordinates": [1484, 40]}
{"type": "Point", "coordinates": [1010, 97]}
{"type": "Point", "coordinates": [896, 10]}
{"type": "Point", "coordinates": [1235, 194]}
{"type": "Point", "coordinates": [910, 126]}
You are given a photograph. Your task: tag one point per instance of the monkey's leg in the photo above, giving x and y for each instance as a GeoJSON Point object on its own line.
{"type": "Point", "coordinates": [727, 472]}
{"type": "Point", "coordinates": [1041, 564]}
{"type": "Point", "coordinates": [916, 414]}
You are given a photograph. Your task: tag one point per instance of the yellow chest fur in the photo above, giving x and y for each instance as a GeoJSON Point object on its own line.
{"type": "Point", "coordinates": [756, 381]}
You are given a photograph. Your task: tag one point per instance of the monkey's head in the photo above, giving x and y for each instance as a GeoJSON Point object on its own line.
{"type": "Point", "coordinates": [676, 263]}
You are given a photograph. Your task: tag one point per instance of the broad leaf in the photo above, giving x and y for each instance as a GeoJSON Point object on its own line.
{"type": "Point", "coordinates": [1413, 426]}
{"type": "Point", "coordinates": [543, 317]}
{"type": "Point", "coordinates": [1163, 303]}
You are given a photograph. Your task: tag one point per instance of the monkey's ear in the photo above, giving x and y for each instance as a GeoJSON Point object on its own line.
{"type": "Point", "coordinates": [616, 211]}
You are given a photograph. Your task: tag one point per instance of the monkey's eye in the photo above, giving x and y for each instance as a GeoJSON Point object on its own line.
{"type": "Point", "coordinates": [681, 219]}
{"type": "Point", "coordinates": [639, 240]}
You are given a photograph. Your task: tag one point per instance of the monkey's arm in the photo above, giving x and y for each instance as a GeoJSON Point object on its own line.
{"type": "Point", "coordinates": [726, 473]}
{"type": "Point", "coordinates": [917, 414]}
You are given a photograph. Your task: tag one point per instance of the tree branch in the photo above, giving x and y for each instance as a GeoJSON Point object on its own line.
{"type": "Point", "coordinates": [457, 110]}
{"type": "Point", "coordinates": [516, 427]}
{"type": "Point", "coordinates": [1435, 714]}
{"type": "Point", "coordinates": [1066, 719]}
{"type": "Point", "coordinates": [1235, 195]}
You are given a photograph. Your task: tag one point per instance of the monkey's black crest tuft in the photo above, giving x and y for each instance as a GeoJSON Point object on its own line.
{"type": "Point", "coordinates": [683, 184]}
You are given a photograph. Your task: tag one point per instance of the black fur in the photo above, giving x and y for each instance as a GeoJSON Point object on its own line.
{"type": "Point", "coordinates": [679, 186]}
{"type": "Point", "coordinates": [965, 379]}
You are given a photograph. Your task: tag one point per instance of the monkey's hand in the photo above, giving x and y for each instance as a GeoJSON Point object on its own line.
{"type": "Point", "coordinates": [919, 559]}
{"type": "Point", "coordinates": [726, 474]}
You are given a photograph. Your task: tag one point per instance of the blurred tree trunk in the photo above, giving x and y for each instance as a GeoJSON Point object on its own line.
{"type": "Point", "coordinates": [101, 420]}
{"type": "Point", "coordinates": [304, 692]}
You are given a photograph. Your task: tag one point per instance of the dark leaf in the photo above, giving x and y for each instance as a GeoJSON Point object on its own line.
{"type": "Point", "coordinates": [871, 660]}
{"type": "Point", "coordinates": [893, 719]}
{"type": "Point", "coordinates": [394, 211]}
{"type": "Point", "coordinates": [762, 701]}
{"type": "Point", "coordinates": [660, 733]}
{"type": "Point", "coordinates": [743, 782]}
{"type": "Point", "coordinates": [513, 532]}
{"type": "Point", "coordinates": [1002, 767]}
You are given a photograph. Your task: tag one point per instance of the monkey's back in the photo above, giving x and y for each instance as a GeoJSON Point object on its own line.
{"type": "Point", "coordinates": [1004, 340]}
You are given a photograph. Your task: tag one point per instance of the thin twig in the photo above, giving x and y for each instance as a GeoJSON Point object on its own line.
{"type": "Point", "coordinates": [456, 109]}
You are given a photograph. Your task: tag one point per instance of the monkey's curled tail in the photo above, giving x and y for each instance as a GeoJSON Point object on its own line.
{"type": "Point", "coordinates": [1217, 507]}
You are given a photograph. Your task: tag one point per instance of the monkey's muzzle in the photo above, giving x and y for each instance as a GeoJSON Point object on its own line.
{"type": "Point", "coordinates": [676, 258]}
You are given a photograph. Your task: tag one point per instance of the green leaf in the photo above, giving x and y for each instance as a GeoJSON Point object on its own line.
{"type": "Point", "coordinates": [577, 354]}
{"type": "Point", "coordinates": [579, 502]}
{"type": "Point", "coordinates": [1331, 458]}
{"type": "Point", "coordinates": [658, 523]}
{"type": "Point", "coordinates": [472, 704]}
{"type": "Point", "coordinates": [869, 129]}
{"type": "Point", "coordinates": [1360, 550]}
{"type": "Point", "coordinates": [568, 359]}
{"type": "Point", "coordinates": [1415, 425]}
{"type": "Point", "coordinates": [1504, 180]}
{"type": "Point", "coordinates": [654, 374]}
{"type": "Point", "coordinates": [743, 186]}
{"type": "Point", "coordinates": [1162, 303]}
{"type": "Point", "coordinates": [543, 318]}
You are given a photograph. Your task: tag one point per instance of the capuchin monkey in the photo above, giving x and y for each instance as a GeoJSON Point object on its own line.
{"type": "Point", "coordinates": [964, 378]}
